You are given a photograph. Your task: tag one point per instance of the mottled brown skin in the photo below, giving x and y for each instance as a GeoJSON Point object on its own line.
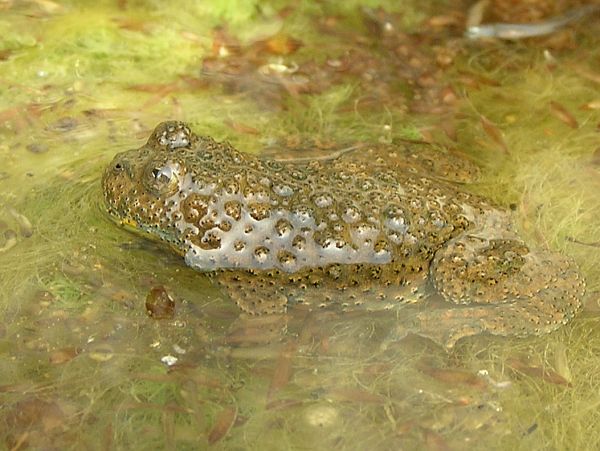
{"type": "Point", "coordinates": [367, 230]}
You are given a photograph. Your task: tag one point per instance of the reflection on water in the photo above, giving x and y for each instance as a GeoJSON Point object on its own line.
{"type": "Point", "coordinates": [83, 363]}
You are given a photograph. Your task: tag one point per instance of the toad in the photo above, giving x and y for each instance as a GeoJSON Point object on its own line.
{"type": "Point", "coordinates": [369, 230]}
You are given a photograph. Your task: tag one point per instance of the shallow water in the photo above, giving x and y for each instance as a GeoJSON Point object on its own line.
{"type": "Point", "coordinates": [84, 366]}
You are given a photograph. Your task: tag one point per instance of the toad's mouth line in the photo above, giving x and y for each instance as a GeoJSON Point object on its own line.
{"type": "Point", "coordinates": [149, 233]}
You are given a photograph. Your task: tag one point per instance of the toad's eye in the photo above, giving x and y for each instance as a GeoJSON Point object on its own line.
{"type": "Point", "coordinates": [163, 180]}
{"type": "Point", "coordinates": [163, 175]}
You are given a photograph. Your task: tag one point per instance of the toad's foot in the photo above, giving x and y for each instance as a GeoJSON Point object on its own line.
{"type": "Point", "coordinates": [500, 287]}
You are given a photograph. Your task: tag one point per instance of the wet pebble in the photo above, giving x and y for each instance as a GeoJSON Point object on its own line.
{"type": "Point", "coordinates": [159, 304]}
{"type": "Point", "coordinates": [321, 416]}
{"type": "Point", "coordinates": [37, 147]}
{"type": "Point", "coordinates": [64, 124]}
{"type": "Point", "coordinates": [169, 360]}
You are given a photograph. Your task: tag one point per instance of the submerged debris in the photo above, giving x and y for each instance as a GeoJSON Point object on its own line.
{"type": "Point", "coordinates": [10, 240]}
{"type": "Point", "coordinates": [225, 420]}
{"type": "Point", "coordinates": [24, 223]}
{"type": "Point", "coordinates": [563, 115]}
{"type": "Point", "coordinates": [494, 133]}
{"type": "Point", "coordinates": [515, 31]}
{"type": "Point", "coordinates": [160, 304]}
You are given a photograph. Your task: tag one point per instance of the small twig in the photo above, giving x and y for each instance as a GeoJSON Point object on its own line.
{"type": "Point", "coordinates": [583, 243]}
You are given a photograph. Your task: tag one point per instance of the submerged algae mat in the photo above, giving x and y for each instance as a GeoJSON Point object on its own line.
{"type": "Point", "coordinates": [84, 366]}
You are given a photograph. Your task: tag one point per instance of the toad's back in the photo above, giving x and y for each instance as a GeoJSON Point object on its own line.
{"type": "Point", "coordinates": [358, 227]}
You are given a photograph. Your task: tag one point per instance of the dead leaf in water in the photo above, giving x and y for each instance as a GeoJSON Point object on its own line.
{"type": "Point", "coordinates": [241, 128]}
{"type": "Point", "coordinates": [283, 370]}
{"type": "Point", "coordinates": [136, 25]}
{"type": "Point", "coordinates": [64, 355]}
{"type": "Point", "coordinates": [545, 374]}
{"type": "Point", "coordinates": [562, 114]}
{"type": "Point", "coordinates": [595, 160]}
{"type": "Point", "coordinates": [281, 44]}
{"type": "Point", "coordinates": [494, 133]}
{"type": "Point", "coordinates": [154, 88]}
{"type": "Point", "coordinates": [587, 74]}
{"type": "Point", "coordinates": [475, 80]}
{"type": "Point", "coordinates": [223, 424]}
{"type": "Point", "coordinates": [593, 105]}
{"type": "Point", "coordinates": [454, 19]}
{"type": "Point", "coordinates": [5, 54]}
{"type": "Point", "coordinates": [453, 376]}
{"type": "Point", "coordinates": [34, 413]}
{"type": "Point", "coordinates": [435, 441]}
{"type": "Point", "coordinates": [561, 362]}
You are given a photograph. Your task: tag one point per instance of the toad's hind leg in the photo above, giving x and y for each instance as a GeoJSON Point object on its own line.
{"type": "Point", "coordinates": [500, 287]}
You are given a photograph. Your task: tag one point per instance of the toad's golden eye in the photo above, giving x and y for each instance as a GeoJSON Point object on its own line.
{"type": "Point", "coordinates": [162, 180]}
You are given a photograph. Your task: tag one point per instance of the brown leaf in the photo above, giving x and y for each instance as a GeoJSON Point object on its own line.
{"type": "Point", "coordinates": [281, 44]}
{"type": "Point", "coordinates": [593, 105]}
{"type": "Point", "coordinates": [562, 114]}
{"type": "Point", "coordinates": [241, 128]}
{"type": "Point", "coordinates": [49, 6]}
{"type": "Point", "coordinates": [494, 133]}
{"type": "Point", "coordinates": [435, 441]}
{"type": "Point", "coordinates": [448, 95]}
{"type": "Point", "coordinates": [22, 116]}
{"type": "Point", "coordinates": [138, 26]}
{"type": "Point", "coordinates": [34, 413]}
{"type": "Point", "coordinates": [154, 88]}
{"type": "Point", "coordinates": [63, 355]}
{"type": "Point", "coordinates": [545, 374]}
{"type": "Point", "coordinates": [453, 376]}
{"type": "Point", "coordinates": [445, 20]}
{"type": "Point", "coordinates": [222, 425]}
{"type": "Point", "coordinates": [587, 74]}
{"type": "Point", "coordinates": [283, 370]}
